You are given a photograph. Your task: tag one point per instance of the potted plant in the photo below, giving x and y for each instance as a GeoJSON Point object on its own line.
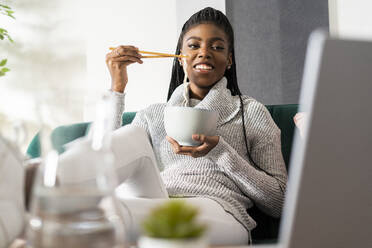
{"type": "Point", "coordinates": [173, 225]}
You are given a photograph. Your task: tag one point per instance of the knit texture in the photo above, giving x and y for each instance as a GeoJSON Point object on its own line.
{"type": "Point", "coordinates": [225, 174]}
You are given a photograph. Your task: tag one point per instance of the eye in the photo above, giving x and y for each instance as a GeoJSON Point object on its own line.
{"type": "Point", "coordinates": [193, 46]}
{"type": "Point", "coordinates": [218, 48]}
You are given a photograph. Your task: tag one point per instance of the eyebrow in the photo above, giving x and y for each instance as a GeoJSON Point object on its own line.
{"type": "Point", "coordinates": [212, 39]}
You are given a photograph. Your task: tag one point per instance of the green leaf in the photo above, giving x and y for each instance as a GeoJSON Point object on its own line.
{"type": "Point", "coordinates": [5, 69]}
{"type": "Point", "coordinates": [2, 73]}
{"type": "Point", "coordinates": [9, 13]}
{"type": "Point", "coordinates": [174, 219]}
{"type": "Point", "coordinates": [4, 6]}
{"type": "Point", "coordinates": [9, 38]}
{"type": "Point", "coordinates": [3, 62]}
{"type": "Point", "coordinates": [4, 33]}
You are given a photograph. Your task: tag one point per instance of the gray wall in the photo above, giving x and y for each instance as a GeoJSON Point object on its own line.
{"type": "Point", "coordinates": [270, 44]}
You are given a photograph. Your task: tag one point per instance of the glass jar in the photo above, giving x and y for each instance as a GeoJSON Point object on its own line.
{"type": "Point", "coordinates": [73, 201]}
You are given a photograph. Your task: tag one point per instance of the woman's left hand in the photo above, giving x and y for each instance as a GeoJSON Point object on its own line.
{"type": "Point", "coordinates": [208, 143]}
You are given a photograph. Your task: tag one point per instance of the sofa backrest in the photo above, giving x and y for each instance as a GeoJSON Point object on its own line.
{"type": "Point", "coordinates": [282, 115]}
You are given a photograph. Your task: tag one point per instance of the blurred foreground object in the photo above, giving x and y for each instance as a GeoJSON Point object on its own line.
{"type": "Point", "coordinates": [173, 224]}
{"type": "Point", "coordinates": [73, 202]}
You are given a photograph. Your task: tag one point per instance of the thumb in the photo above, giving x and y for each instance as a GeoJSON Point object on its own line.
{"type": "Point", "coordinates": [200, 137]}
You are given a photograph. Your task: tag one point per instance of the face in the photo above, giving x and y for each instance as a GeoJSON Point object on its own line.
{"type": "Point", "coordinates": [208, 55]}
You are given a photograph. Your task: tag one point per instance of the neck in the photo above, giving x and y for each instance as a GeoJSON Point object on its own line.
{"type": "Point", "coordinates": [197, 92]}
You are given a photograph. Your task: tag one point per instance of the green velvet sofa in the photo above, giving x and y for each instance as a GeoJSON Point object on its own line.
{"type": "Point", "coordinates": [267, 229]}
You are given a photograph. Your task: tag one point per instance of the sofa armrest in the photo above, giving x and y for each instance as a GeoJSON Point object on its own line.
{"type": "Point", "coordinates": [60, 136]}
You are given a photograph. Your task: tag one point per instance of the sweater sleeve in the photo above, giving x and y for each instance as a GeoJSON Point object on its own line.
{"type": "Point", "coordinates": [119, 101]}
{"type": "Point", "coordinates": [263, 181]}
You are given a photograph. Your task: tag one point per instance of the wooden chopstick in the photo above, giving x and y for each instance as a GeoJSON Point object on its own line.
{"type": "Point", "coordinates": [159, 55]}
{"type": "Point", "coordinates": [156, 56]}
{"type": "Point", "coordinates": [163, 54]}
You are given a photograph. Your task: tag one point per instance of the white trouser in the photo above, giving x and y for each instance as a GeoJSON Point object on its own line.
{"type": "Point", "coordinates": [143, 189]}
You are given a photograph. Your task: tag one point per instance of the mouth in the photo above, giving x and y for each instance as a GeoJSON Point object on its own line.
{"type": "Point", "coordinates": [203, 67]}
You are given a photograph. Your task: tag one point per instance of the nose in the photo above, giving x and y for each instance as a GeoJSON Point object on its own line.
{"type": "Point", "coordinates": [204, 52]}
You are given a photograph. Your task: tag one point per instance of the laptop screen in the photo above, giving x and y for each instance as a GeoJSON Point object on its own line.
{"type": "Point", "coordinates": [328, 199]}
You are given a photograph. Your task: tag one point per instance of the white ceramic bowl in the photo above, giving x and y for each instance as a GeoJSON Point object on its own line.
{"type": "Point", "coordinates": [182, 122]}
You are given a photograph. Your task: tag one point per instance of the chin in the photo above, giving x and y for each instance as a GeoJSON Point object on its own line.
{"type": "Point", "coordinates": [204, 83]}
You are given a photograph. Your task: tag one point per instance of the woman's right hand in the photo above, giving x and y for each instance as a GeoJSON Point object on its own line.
{"type": "Point", "coordinates": [117, 61]}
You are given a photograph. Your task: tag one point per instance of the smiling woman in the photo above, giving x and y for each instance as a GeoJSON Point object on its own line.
{"type": "Point", "coordinates": [241, 165]}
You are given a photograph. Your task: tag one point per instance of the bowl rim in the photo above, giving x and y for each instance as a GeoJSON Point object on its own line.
{"type": "Point", "coordinates": [193, 108]}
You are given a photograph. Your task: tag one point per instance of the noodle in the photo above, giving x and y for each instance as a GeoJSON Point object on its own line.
{"type": "Point", "coordinates": [186, 85]}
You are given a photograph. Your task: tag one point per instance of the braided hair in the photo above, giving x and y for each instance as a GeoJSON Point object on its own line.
{"type": "Point", "coordinates": [216, 17]}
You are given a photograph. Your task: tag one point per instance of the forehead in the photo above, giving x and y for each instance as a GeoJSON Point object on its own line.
{"type": "Point", "coordinates": [205, 31]}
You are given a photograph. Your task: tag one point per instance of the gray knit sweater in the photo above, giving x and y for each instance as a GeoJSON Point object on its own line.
{"type": "Point", "coordinates": [225, 174]}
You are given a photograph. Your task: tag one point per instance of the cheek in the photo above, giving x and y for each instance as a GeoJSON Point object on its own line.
{"type": "Point", "coordinates": [188, 62]}
{"type": "Point", "coordinates": [187, 65]}
{"type": "Point", "coordinates": [223, 63]}
{"type": "Point", "coordinates": [191, 56]}
{"type": "Point", "coordinates": [189, 71]}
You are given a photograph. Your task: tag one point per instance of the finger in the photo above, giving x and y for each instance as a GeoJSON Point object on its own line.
{"type": "Point", "coordinates": [116, 54]}
{"type": "Point", "coordinates": [187, 149]}
{"type": "Point", "coordinates": [128, 50]}
{"type": "Point", "coordinates": [126, 46]}
{"type": "Point", "coordinates": [174, 143]}
{"type": "Point", "coordinates": [117, 65]}
{"type": "Point", "coordinates": [208, 142]}
{"type": "Point", "coordinates": [127, 58]}
{"type": "Point", "coordinates": [124, 50]}
{"type": "Point", "coordinates": [200, 137]}
{"type": "Point", "coordinates": [171, 140]}
{"type": "Point", "coordinates": [204, 148]}
{"type": "Point", "coordinates": [184, 153]}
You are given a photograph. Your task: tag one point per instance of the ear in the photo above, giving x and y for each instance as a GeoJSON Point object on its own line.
{"type": "Point", "coordinates": [180, 59]}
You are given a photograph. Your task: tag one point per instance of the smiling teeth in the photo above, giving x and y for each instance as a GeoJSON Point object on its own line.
{"type": "Point", "coordinates": [203, 67]}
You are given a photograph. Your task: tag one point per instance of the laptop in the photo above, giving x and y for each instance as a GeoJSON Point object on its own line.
{"type": "Point", "coordinates": [329, 194]}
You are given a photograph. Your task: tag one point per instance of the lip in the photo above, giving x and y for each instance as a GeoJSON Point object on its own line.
{"type": "Point", "coordinates": [203, 63]}
{"type": "Point", "coordinates": [202, 70]}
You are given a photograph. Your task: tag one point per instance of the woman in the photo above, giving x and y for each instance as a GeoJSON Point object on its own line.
{"type": "Point", "coordinates": [240, 167]}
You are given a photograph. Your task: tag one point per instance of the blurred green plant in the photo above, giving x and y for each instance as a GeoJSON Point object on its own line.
{"type": "Point", "coordinates": [173, 220]}
{"type": "Point", "coordinates": [5, 10]}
